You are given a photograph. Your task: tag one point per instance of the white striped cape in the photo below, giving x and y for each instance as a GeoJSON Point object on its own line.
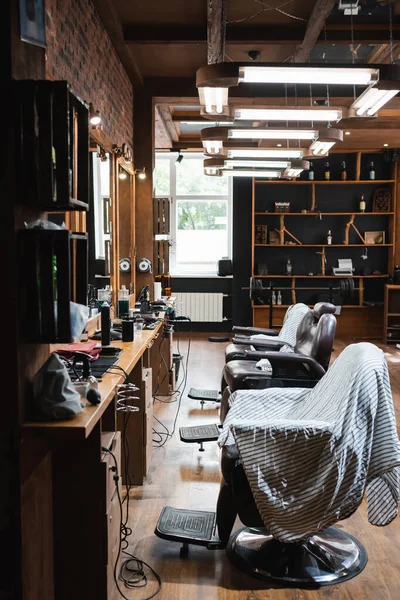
{"type": "Point", "coordinates": [310, 455]}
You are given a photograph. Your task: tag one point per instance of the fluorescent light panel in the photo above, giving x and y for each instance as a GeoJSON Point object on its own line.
{"type": "Point", "coordinates": [372, 100]}
{"type": "Point", "coordinates": [212, 146]}
{"type": "Point", "coordinates": [214, 99]}
{"type": "Point", "coordinates": [287, 114]}
{"type": "Point", "coordinates": [250, 173]}
{"type": "Point", "coordinates": [321, 148]}
{"type": "Point", "coordinates": [273, 134]}
{"type": "Point", "coordinates": [263, 164]}
{"type": "Point", "coordinates": [307, 75]}
{"type": "Point", "coordinates": [264, 153]}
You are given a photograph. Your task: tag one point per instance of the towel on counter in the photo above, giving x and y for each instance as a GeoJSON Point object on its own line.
{"type": "Point", "coordinates": [310, 455]}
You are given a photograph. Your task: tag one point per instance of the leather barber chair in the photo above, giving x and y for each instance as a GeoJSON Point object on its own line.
{"type": "Point", "coordinates": [270, 339]}
{"type": "Point", "coordinates": [301, 368]}
{"type": "Point", "coordinates": [295, 462]}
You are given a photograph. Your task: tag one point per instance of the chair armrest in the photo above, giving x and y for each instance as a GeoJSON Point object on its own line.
{"type": "Point", "coordinates": [258, 343]}
{"type": "Point", "coordinates": [288, 358]}
{"type": "Point", "coordinates": [254, 330]}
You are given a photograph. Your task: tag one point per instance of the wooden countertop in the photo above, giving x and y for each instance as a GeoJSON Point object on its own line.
{"type": "Point", "coordinates": [81, 426]}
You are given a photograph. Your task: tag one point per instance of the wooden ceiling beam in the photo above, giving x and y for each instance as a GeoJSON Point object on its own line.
{"type": "Point", "coordinates": [112, 23]}
{"type": "Point", "coordinates": [215, 24]}
{"type": "Point", "coordinates": [321, 11]}
{"type": "Point", "coordinates": [162, 137]}
{"type": "Point", "coordinates": [257, 34]}
{"type": "Point", "coordinates": [166, 117]}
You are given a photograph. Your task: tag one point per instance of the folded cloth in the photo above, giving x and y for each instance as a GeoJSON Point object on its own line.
{"type": "Point", "coordinates": [311, 455]}
{"type": "Point", "coordinates": [91, 348]}
{"type": "Point", "coordinates": [54, 394]}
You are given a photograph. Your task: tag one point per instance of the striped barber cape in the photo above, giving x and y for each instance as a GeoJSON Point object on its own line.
{"type": "Point", "coordinates": [310, 455]}
{"type": "Point", "coordinates": [288, 332]}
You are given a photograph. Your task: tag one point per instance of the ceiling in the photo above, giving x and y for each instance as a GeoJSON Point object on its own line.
{"type": "Point", "coordinates": [167, 40]}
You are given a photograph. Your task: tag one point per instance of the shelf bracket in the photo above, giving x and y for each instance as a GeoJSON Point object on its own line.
{"type": "Point", "coordinates": [346, 235]}
{"type": "Point", "coordinates": [323, 260]}
{"type": "Point", "coordinates": [282, 230]}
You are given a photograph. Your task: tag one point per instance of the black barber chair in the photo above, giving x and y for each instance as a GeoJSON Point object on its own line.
{"type": "Point", "coordinates": [298, 503]}
{"type": "Point", "coordinates": [243, 338]}
{"type": "Point", "coordinates": [301, 368]}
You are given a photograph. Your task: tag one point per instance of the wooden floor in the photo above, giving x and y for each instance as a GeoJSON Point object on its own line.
{"type": "Point", "coordinates": [181, 476]}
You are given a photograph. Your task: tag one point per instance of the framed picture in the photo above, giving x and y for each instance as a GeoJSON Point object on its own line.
{"type": "Point", "coordinates": [382, 200]}
{"type": "Point", "coordinates": [374, 237]}
{"type": "Point", "coordinates": [32, 22]}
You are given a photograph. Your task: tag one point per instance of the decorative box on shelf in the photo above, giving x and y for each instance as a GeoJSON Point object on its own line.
{"type": "Point", "coordinates": [282, 207]}
{"type": "Point", "coordinates": [260, 234]}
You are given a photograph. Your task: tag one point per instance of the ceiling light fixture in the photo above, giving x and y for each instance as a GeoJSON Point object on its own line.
{"type": "Point", "coordinates": [329, 115]}
{"type": "Point", "coordinates": [295, 166]}
{"type": "Point", "coordinates": [279, 145]}
{"type": "Point", "coordinates": [309, 75]}
{"type": "Point", "coordinates": [327, 138]}
{"type": "Point", "coordinates": [260, 133]}
{"type": "Point", "coordinates": [213, 81]}
{"type": "Point", "coordinates": [264, 153]}
{"type": "Point", "coordinates": [372, 99]}
{"type": "Point", "coordinates": [122, 174]}
{"type": "Point", "coordinates": [253, 173]}
{"type": "Point", "coordinates": [214, 100]}
{"type": "Point", "coordinates": [141, 173]}
{"type": "Point", "coordinates": [322, 139]}
{"type": "Point", "coordinates": [385, 145]}
{"type": "Point", "coordinates": [347, 133]}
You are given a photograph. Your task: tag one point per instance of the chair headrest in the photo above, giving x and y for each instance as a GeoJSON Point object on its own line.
{"type": "Point", "coordinates": [323, 308]}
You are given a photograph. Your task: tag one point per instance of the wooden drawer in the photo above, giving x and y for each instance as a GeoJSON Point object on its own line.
{"type": "Point", "coordinates": [108, 466]}
{"type": "Point", "coordinates": [112, 528]}
{"type": "Point", "coordinates": [112, 591]}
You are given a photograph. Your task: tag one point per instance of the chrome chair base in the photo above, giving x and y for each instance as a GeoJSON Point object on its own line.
{"type": "Point", "coordinates": [327, 558]}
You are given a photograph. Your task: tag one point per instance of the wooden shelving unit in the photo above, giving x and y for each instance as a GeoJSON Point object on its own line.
{"type": "Point", "coordinates": [391, 328]}
{"type": "Point", "coordinates": [333, 210]}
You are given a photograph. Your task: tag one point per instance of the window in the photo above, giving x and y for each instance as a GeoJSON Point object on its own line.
{"type": "Point", "coordinates": [200, 214]}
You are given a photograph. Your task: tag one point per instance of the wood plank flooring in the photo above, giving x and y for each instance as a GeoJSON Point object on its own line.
{"type": "Point", "coordinates": [181, 476]}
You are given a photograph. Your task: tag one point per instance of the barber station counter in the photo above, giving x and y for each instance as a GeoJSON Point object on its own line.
{"type": "Point", "coordinates": [81, 426]}
{"type": "Point", "coordinates": [78, 503]}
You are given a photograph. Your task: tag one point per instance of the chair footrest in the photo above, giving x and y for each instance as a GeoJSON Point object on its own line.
{"type": "Point", "coordinates": [205, 395]}
{"type": "Point", "coordinates": [199, 433]}
{"type": "Point", "coordinates": [186, 526]}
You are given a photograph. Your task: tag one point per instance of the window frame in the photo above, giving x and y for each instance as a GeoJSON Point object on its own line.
{"type": "Point", "coordinates": [174, 198]}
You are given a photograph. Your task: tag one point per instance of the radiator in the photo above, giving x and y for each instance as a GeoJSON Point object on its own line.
{"type": "Point", "coordinates": [199, 306]}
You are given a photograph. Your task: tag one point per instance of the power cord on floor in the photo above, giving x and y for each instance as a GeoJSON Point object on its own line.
{"type": "Point", "coordinates": [164, 436]}
{"type": "Point", "coordinates": [132, 569]}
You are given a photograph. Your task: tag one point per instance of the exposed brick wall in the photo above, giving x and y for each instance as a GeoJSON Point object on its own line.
{"type": "Point", "coordinates": [80, 51]}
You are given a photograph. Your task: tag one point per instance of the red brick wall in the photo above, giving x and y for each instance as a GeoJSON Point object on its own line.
{"type": "Point", "coordinates": [80, 51]}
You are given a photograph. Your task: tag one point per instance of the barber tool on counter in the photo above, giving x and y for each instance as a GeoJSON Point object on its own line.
{"type": "Point", "coordinates": [90, 383]}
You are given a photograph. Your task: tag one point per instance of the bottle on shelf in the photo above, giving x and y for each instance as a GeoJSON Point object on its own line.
{"type": "Point", "coordinates": [279, 298]}
{"type": "Point", "coordinates": [329, 238]}
{"type": "Point", "coordinates": [288, 267]}
{"type": "Point", "coordinates": [327, 173]}
{"type": "Point", "coordinates": [123, 301]}
{"type": "Point", "coordinates": [362, 203]}
{"type": "Point", "coordinates": [311, 172]}
{"type": "Point", "coordinates": [371, 170]}
{"type": "Point", "coordinates": [343, 174]}
{"type": "Point", "coordinates": [273, 298]}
